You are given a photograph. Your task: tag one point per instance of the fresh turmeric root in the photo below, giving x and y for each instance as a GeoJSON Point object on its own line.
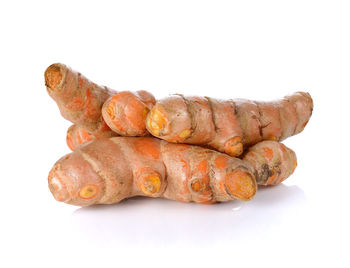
{"type": "Point", "coordinates": [228, 126]}
{"type": "Point", "coordinates": [80, 101]}
{"type": "Point", "coordinates": [106, 171]}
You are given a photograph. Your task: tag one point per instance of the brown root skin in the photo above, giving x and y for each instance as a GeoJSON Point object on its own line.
{"type": "Point", "coordinates": [228, 126]}
{"type": "Point", "coordinates": [106, 171]}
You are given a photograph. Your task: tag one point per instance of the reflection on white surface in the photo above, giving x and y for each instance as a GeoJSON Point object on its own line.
{"type": "Point", "coordinates": [161, 221]}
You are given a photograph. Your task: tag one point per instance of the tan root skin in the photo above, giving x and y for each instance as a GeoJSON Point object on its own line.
{"type": "Point", "coordinates": [228, 126]}
{"type": "Point", "coordinates": [107, 171]}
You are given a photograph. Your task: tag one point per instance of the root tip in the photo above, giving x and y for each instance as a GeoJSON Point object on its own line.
{"type": "Point", "coordinates": [53, 76]}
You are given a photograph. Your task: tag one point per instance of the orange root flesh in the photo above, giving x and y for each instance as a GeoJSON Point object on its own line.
{"type": "Point", "coordinates": [53, 76]}
{"type": "Point", "coordinates": [198, 185]}
{"type": "Point", "coordinates": [88, 191]}
{"type": "Point", "coordinates": [234, 147]}
{"type": "Point", "coordinates": [150, 184]}
{"type": "Point", "coordinates": [241, 185]}
{"type": "Point", "coordinates": [156, 122]}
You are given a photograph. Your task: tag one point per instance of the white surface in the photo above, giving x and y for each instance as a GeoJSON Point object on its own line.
{"type": "Point", "coordinates": [251, 49]}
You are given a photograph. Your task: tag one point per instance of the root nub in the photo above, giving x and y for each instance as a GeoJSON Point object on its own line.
{"type": "Point", "coordinates": [150, 184]}
{"type": "Point", "coordinates": [89, 191]}
{"type": "Point", "coordinates": [156, 122]}
{"type": "Point", "coordinates": [240, 184]}
{"type": "Point", "coordinates": [234, 146]}
{"type": "Point", "coordinates": [53, 76]}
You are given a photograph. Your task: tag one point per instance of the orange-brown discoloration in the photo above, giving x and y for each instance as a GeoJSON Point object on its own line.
{"type": "Point", "coordinates": [75, 105]}
{"type": "Point", "coordinates": [202, 167]}
{"type": "Point", "coordinates": [148, 147]}
{"type": "Point", "coordinates": [107, 171]}
{"type": "Point", "coordinates": [118, 125]}
{"type": "Point", "coordinates": [268, 153]}
{"type": "Point", "coordinates": [271, 180]}
{"type": "Point", "coordinates": [199, 182]}
{"type": "Point", "coordinates": [221, 162]}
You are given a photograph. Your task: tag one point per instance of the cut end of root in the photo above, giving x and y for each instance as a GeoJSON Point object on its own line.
{"type": "Point", "coordinates": [234, 146]}
{"type": "Point", "coordinates": [151, 184]}
{"type": "Point", "coordinates": [53, 76]}
{"type": "Point", "coordinates": [241, 185]}
{"type": "Point", "coordinates": [157, 122]}
{"type": "Point", "coordinates": [198, 185]}
{"type": "Point", "coordinates": [89, 191]}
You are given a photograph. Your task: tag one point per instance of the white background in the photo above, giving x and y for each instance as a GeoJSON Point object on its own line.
{"type": "Point", "coordinates": [260, 50]}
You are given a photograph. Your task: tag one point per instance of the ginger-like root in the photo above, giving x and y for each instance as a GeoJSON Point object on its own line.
{"type": "Point", "coordinates": [228, 126]}
{"type": "Point", "coordinates": [106, 171]}
{"type": "Point", "coordinates": [80, 101]}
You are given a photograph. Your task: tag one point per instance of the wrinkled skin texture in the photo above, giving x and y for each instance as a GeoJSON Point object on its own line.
{"type": "Point", "coordinates": [228, 126]}
{"type": "Point", "coordinates": [80, 101]}
{"type": "Point", "coordinates": [106, 171]}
